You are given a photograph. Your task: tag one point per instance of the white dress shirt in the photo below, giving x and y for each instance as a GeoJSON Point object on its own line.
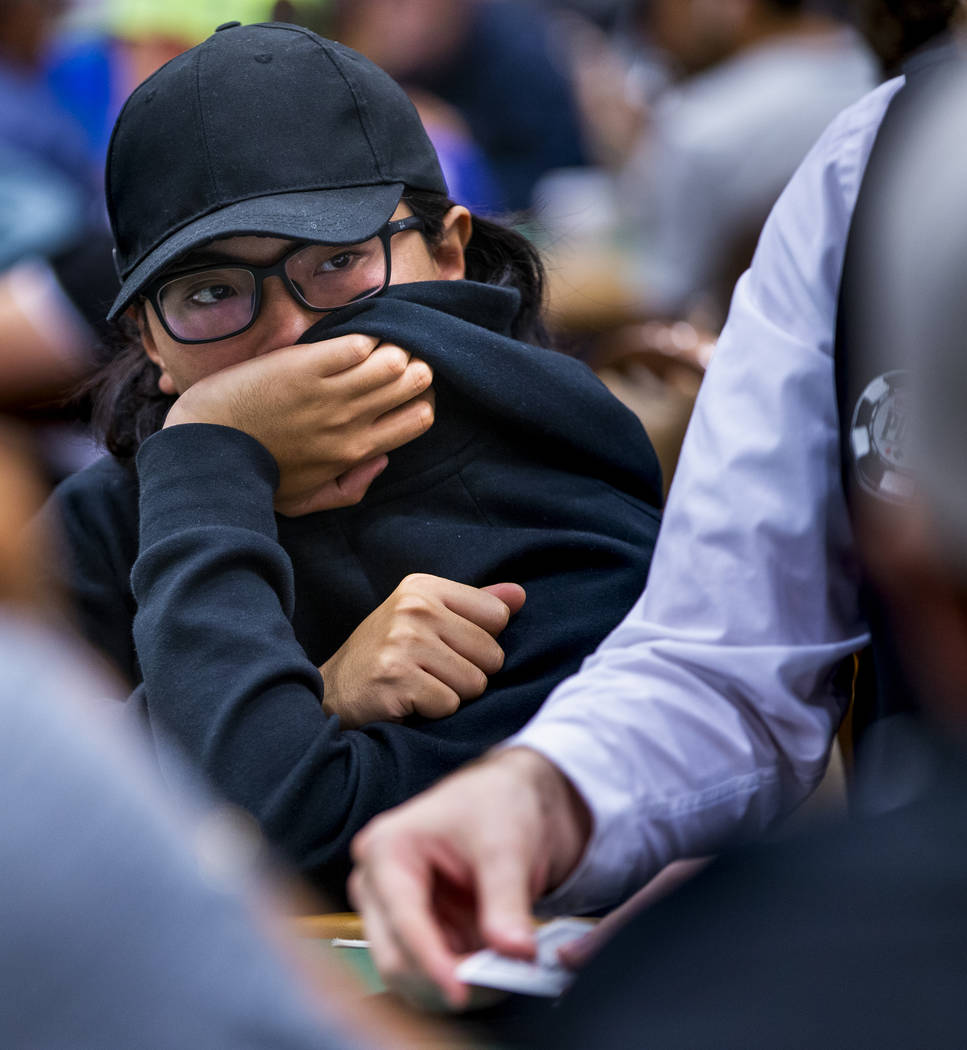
{"type": "Point", "coordinates": [710, 710]}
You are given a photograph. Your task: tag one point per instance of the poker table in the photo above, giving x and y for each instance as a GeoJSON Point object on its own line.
{"type": "Point", "coordinates": [342, 932]}
{"type": "Point", "coordinates": [512, 1022]}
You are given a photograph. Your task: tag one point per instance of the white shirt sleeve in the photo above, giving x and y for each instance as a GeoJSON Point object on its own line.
{"type": "Point", "coordinates": [709, 710]}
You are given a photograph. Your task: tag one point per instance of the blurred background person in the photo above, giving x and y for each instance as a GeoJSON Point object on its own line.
{"type": "Point", "coordinates": [65, 70]}
{"type": "Point", "coordinates": [50, 213]}
{"type": "Point", "coordinates": [691, 157]}
{"type": "Point", "coordinates": [898, 29]}
{"type": "Point", "coordinates": [752, 83]}
{"type": "Point", "coordinates": [495, 62]}
{"type": "Point", "coordinates": [49, 181]}
{"type": "Point", "coordinates": [695, 115]}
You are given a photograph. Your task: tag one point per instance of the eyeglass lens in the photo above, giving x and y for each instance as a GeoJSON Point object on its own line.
{"type": "Point", "coordinates": [218, 302]}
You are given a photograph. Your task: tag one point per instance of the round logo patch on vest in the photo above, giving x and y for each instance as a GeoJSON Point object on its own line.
{"type": "Point", "coordinates": [880, 438]}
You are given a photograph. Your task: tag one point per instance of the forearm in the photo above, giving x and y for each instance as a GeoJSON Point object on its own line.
{"type": "Point", "coordinates": [214, 590]}
{"type": "Point", "coordinates": [223, 671]}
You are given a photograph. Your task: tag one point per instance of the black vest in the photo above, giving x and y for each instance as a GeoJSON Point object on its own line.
{"type": "Point", "coordinates": [870, 384]}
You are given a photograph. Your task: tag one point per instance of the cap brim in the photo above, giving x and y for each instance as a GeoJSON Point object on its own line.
{"type": "Point", "coordinates": [331, 216]}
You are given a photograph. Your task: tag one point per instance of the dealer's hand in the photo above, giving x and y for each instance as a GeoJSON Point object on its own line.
{"type": "Point", "coordinates": [458, 867]}
{"type": "Point", "coordinates": [328, 412]}
{"type": "Point", "coordinates": [426, 649]}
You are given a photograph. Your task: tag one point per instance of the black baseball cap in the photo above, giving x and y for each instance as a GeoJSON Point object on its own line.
{"type": "Point", "coordinates": [261, 129]}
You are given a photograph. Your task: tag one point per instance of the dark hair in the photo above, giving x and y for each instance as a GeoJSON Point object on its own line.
{"type": "Point", "coordinates": [897, 28]}
{"type": "Point", "coordinates": [126, 404]}
{"type": "Point", "coordinates": [496, 254]}
{"type": "Point", "coordinates": [128, 407]}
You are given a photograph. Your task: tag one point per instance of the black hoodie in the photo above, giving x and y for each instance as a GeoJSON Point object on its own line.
{"type": "Point", "coordinates": [531, 473]}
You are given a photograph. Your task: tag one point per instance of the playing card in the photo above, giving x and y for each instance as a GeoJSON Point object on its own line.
{"type": "Point", "coordinates": [544, 976]}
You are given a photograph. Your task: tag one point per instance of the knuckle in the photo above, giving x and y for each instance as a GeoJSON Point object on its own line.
{"type": "Point", "coordinates": [388, 667]}
{"type": "Point", "coordinates": [420, 374]}
{"type": "Point", "coordinates": [403, 635]}
{"type": "Point", "coordinates": [394, 361]}
{"type": "Point", "coordinates": [359, 850]}
{"type": "Point", "coordinates": [501, 614]}
{"type": "Point", "coordinates": [409, 702]}
{"type": "Point", "coordinates": [424, 416]}
{"type": "Point", "coordinates": [477, 683]}
{"type": "Point", "coordinates": [337, 415]}
{"type": "Point", "coordinates": [445, 705]}
{"type": "Point", "coordinates": [493, 660]}
{"type": "Point", "coordinates": [415, 604]}
{"type": "Point", "coordinates": [359, 347]}
{"type": "Point", "coordinates": [416, 581]}
{"type": "Point", "coordinates": [356, 450]}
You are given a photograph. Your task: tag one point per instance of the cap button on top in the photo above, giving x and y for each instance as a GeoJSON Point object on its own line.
{"type": "Point", "coordinates": [227, 25]}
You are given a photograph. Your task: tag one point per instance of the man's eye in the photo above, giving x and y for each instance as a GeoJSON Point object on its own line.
{"type": "Point", "coordinates": [211, 294]}
{"type": "Point", "coordinates": [337, 262]}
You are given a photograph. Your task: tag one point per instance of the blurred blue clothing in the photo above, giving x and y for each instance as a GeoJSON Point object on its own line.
{"type": "Point", "coordinates": [469, 177]}
{"type": "Point", "coordinates": [82, 71]}
{"type": "Point", "coordinates": [125, 921]}
{"type": "Point", "coordinates": [31, 119]}
{"type": "Point", "coordinates": [41, 210]}
{"type": "Point", "coordinates": [48, 189]}
{"type": "Point", "coordinates": [514, 95]}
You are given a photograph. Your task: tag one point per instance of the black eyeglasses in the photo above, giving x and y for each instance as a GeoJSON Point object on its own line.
{"type": "Point", "coordinates": [208, 303]}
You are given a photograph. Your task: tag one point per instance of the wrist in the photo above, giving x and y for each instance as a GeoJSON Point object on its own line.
{"type": "Point", "coordinates": [564, 820]}
{"type": "Point", "coordinates": [177, 415]}
{"type": "Point", "coordinates": [195, 406]}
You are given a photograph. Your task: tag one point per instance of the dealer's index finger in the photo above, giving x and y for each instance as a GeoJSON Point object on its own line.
{"type": "Point", "coordinates": [405, 941]}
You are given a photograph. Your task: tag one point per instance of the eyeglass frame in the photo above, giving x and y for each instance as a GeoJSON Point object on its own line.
{"type": "Point", "coordinates": [277, 269]}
